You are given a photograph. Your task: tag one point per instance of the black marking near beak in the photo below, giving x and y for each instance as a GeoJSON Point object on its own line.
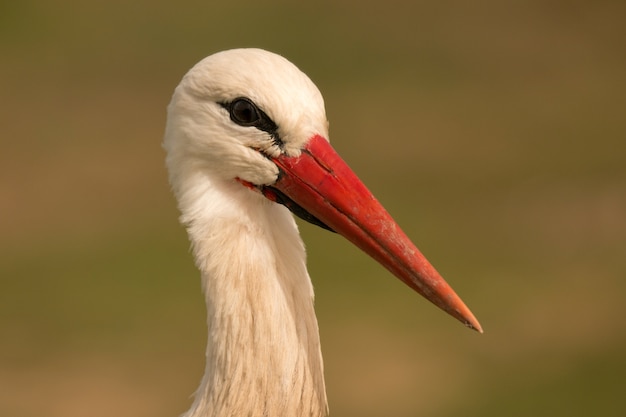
{"type": "Point", "coordinates": [279, 197]}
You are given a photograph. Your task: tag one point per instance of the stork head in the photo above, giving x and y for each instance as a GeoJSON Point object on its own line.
{"type": "Point", "coordinates": [250, 117]}
{"type": "Point", "coordinates": [236, 109]}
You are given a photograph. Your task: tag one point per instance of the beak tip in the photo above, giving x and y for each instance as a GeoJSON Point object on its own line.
{"type": "Point", "coordinates": [475, 326]}
{"type": "Point", "coordinates": [470, 321]}
{"type": "Point", "coordinates": [459, 310]}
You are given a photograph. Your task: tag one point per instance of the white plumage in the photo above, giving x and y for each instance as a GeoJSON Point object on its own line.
{"type": "Point", "coordinates": [236, 122]}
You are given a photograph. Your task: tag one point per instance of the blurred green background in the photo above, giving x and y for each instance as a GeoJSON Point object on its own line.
{"type": "Point", "coordinates": [494, 132]}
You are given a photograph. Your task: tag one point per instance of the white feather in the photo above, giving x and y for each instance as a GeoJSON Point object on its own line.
{"type": "Point", "coordinates": [263, 354]}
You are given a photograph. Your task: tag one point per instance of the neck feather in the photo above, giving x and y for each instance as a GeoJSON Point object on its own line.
{"type": "Point", "coordinates": [263, 356]}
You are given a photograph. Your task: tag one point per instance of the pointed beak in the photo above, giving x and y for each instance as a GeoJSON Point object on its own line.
{"type": "Point", "coordinates": [321, 183]}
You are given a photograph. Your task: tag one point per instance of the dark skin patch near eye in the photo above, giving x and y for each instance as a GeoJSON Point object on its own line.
{"type": "Point", "coordinates": [245, 113]}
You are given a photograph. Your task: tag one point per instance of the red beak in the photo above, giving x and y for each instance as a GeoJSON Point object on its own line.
{"type": "Point", "coordinates": [321, 183]}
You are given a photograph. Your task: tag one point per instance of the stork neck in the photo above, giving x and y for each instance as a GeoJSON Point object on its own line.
{"type": "Point", "coordinates": [263, 354]}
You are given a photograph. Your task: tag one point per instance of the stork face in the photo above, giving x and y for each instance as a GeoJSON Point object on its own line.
{"type": "Point", "coordinates": [236, 109]}
{"type": "Point", "coordinates": [252, 119]}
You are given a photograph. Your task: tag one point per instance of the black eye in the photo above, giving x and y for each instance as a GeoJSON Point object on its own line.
{"type": "Point", "coordinates": [244, 112]}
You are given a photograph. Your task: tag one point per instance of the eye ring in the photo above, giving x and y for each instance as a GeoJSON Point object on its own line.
{"type": "Point", "coordinates": [244, 112]}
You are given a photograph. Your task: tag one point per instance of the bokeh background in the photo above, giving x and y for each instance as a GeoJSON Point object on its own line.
{"type": "Point", "coordinates": [493, 131]}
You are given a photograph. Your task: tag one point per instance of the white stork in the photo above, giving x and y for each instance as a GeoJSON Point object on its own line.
{"type": "Point", "coordinates": [247, 141]}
